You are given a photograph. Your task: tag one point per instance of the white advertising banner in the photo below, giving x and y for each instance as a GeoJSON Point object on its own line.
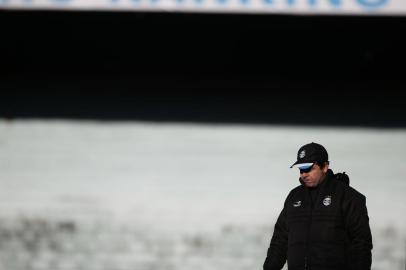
{"type": "Point", "coordinates": [310, 7]}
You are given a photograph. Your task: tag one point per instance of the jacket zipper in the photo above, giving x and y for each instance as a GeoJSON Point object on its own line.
{"type": "Point", "coordinates": [307, 240]}
{"type": "Point", "coordinates": [305, 263]}
{"type": "Point", "coordinates": [312, 204]}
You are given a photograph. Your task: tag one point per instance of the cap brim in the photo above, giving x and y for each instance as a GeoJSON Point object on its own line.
{"type": "Point", "coordinates": [302, 165]}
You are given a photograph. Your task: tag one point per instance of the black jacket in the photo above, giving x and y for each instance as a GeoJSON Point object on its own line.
{"type": "Point", "coordinates": [331, 233]}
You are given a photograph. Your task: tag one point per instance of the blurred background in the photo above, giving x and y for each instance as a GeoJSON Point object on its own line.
{"type": "Point", "coordinates": [162, 139]}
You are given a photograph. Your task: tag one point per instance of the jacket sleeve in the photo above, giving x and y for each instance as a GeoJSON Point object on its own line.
{"type": "Point", "coordinates": [359, 234]}
{"type": "Point", "coordinates": [277, 251]}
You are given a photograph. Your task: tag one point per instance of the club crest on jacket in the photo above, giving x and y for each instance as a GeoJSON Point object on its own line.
{"type": "Point", "coordinates": [327, 201]}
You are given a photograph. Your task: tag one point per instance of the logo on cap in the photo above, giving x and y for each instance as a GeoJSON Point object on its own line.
{"type": "Point", "coordinates": [302, 154]}
{"type": "Point", "coordinates": [327, 201]}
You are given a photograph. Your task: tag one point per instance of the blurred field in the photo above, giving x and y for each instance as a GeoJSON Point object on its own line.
{"type": "Point", "coordinates": [44, 244]}
{"type": "Point", "coordinates": [88, 195]}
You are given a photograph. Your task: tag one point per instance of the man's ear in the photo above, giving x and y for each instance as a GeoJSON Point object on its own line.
{"type": "Point", "coordinates": [326, 167]}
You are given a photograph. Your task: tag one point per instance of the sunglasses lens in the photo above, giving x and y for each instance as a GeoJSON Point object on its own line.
{"type": "Point", "coordinates": [305, 169]}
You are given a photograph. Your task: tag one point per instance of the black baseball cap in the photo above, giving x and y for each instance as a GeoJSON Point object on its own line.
{"type": "Point", "coordinates": [311, 153]}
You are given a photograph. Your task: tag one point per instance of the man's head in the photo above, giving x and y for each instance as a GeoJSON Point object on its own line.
{"type": "Point", "coordinates": [312, 161]}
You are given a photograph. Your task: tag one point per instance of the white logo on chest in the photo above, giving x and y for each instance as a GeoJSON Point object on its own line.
{"type": "Point", "coordinates": [297, 204]}
{"type": "Point", "coordinates": [327, 201]}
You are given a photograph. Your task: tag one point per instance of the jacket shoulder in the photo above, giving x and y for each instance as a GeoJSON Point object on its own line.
{"type": "Point", "coordinates": [294, 192]}
{"type": "Point", "coordinates": [341, 183]}
{"type": "Point", "coordinates": [349, 192]}
{"type": "Point", "coordinates": [352, 193]}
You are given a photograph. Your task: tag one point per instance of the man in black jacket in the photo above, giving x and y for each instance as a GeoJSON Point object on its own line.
{"type": "Point", "coordinates": [324, 223]}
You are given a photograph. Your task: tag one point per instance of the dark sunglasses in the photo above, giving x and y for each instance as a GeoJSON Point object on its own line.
{"type": "Point", "coordinates": [306, 170]}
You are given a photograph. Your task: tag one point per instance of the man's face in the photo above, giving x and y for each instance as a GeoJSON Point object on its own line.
{"type": "Point", "coordinates": [315, 176]}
